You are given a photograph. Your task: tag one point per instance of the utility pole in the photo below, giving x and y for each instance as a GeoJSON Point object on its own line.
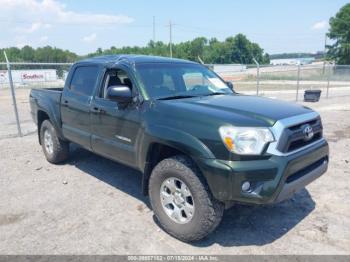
{"type": "Point", "coordinates": [154, 29]}
{"type": "Point", "coordinates": [171, 38]}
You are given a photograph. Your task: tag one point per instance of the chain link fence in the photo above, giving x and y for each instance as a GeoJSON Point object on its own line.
{"type": "Point", "coordinates": [25, 76]}
{"type": "Point", "coordinates": [34, 75]}
{"type": "Point", "coordinates": [290, 82]}
{"type": "Point", "coordinates": [282, 82]}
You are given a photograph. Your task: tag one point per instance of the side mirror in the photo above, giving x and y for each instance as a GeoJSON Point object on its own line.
{"type": "Point", "coordinates": [119, 94]}
{"type": "Point", "coordinates": [230, 85]}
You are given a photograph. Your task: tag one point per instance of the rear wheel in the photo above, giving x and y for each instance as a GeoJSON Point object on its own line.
{"type": "Point", "coordinates": [55, 149]}
{"type": "Point", "coordinates": [181, 200]}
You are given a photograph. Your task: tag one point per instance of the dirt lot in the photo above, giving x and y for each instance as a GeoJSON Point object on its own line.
{"type": "Point", "coordinates": [91, 205]}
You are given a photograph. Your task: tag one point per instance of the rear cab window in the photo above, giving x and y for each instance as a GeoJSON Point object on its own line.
{"type": "Point", "coordinates": [84, 80]}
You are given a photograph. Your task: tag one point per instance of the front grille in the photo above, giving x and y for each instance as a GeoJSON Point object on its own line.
{"type": "Point", "coordinates": [293, 138]}
{"type": "Point", "coordinates": [298, 126]}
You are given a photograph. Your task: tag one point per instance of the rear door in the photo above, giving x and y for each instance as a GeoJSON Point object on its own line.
{"type": "Point", "coordinates": [75, 104]}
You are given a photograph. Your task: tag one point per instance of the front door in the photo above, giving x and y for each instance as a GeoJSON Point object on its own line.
{"type": "Point", "coordinates": [114, 127]}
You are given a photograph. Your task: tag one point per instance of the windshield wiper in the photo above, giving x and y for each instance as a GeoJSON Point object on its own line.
{"type": "Point", "coordinates": [215, 94]}
{"type": "Point", "coordinates": [175, 97]}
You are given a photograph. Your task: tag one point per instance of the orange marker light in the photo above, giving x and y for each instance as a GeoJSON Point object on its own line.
{"type": "Point", "coordinates": [229, 143]}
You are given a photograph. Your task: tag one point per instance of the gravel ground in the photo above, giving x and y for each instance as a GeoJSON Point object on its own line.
{"type": "Point", "coordinates": [91, 205]}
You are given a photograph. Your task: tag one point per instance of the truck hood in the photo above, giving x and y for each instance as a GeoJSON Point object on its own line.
{"type": "Point", "coordinates": [239, 110]}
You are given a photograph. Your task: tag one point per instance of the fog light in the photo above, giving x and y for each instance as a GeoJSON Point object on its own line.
{"type": "Point", "coordinates": [246, 186]}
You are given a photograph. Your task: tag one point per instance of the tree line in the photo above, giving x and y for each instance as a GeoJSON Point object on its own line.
{"type": "Point", "coordinates": [235, 49]}
{"type": "Point", "coordinates": [317, 55]}
{"type": "Point", "coordinates": [339, 33]}
{"type": "Point", "coordinates": [45, 54]}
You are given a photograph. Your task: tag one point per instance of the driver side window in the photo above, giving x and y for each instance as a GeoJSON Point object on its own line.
{"type": "Point", "coordinates": [114, 77]}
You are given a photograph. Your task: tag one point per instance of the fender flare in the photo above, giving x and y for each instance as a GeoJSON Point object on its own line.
{"type": "Point", "coordinates": [175, 138]}
{"type": "Point", "coordinates": [54, 118]}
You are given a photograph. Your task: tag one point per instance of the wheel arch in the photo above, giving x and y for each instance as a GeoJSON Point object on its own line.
{"type": "Point", "coordinates": [156, 153]}
{"type": "Point", "coordinates": [160, 142]}
{"type": "Point", "coordinates": [44, 114]}
{"type": "Point", "coordinates": [41, 117]}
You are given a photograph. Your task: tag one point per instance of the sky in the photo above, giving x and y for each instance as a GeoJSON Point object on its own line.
{"type": "Point", "coordinates": [82, 26]}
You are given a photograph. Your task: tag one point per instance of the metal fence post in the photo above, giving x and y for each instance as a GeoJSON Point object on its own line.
{"type": "Point", "coordinates": [257, 76]}
{"type": "Point", "coordinates": [298, 83]}
{"type": "Point", "coordinates": [13, 95]}
{"type": "Point", "coordinates": [328, 79]}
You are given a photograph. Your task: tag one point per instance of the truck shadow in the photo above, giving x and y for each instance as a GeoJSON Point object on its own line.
{"type": "Point", "coordinates": [241, 225]}
{"type": "Point", "coordinates": [260, 225]}
{"type": "Point", "coordinates": [121, 177]}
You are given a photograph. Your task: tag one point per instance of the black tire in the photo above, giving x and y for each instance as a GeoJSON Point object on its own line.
{"type": "Point", "coordinates": [60, 148]}
{"type": "Point", "coordinates": [208, 211]}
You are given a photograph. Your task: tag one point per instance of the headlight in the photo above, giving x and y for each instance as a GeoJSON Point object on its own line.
{"type": "Point", "coordinates": [245, 140]}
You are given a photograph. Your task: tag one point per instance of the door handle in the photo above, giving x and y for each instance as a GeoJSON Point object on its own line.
{"type": "Point", "coordinates": [65, 103]}
{"type": "Point", "coordinates": [99, 110]}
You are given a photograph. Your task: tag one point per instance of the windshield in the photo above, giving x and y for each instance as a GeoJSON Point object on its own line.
{"type": "Point", "coordinates": [176, 80]}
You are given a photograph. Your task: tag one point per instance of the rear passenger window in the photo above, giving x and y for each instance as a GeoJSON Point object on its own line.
{"type": "Point", "coordinates": [84, 80]}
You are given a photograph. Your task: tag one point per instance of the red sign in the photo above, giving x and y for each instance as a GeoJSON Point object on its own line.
{"type": "Point", "coordinates": [32, 76]}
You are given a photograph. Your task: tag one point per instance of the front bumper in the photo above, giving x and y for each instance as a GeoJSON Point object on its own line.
{"type": "Point", "coordinates": [273, 180]}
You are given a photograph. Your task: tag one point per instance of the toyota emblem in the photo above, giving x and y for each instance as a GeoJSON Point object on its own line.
{"type": "Point", "coordinates": [308, 132]}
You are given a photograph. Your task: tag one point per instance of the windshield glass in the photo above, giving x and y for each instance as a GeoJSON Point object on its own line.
{"type": "Point", "coordinates": [180, 80]}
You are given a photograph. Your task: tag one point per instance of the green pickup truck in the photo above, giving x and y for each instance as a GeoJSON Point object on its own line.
{"type": "Point", "coordinates": [200, 146]}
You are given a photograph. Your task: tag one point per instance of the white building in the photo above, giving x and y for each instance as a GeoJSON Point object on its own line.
{"type": "Point", "coordinates": [292, 61]}
{"type": "Point", "coordinates": [29, 76]}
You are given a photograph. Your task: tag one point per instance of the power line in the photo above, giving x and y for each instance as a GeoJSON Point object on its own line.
{"type": "Point", "coordinates": [181, 27]}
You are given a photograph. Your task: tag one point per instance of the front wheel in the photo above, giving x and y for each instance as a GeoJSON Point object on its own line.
{"type": "Point", "coordinates": [181, 200]}
{"type": "Point", "coordinates": [55, 149]}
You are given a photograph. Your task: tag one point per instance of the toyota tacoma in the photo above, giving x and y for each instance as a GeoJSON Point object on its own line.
{"type": "Point", "coordinates": [199, 145]}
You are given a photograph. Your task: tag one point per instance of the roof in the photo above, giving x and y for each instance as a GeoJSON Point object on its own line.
{"type": "Point", "coordinates": [134, 59]}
